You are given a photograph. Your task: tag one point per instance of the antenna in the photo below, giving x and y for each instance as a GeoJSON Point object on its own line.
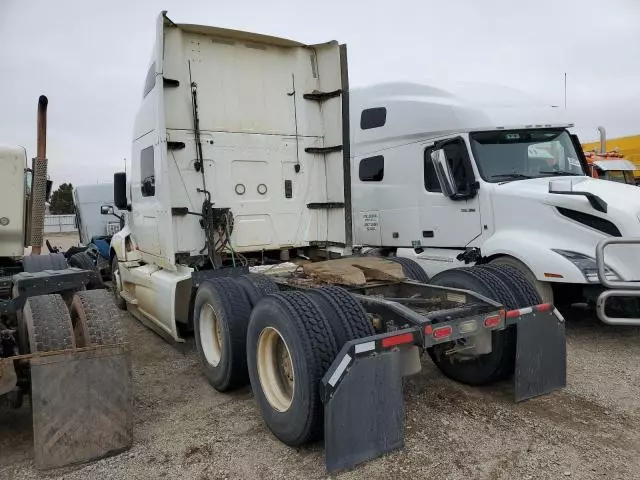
{"type": "Point", "coordinates": [565, 90]}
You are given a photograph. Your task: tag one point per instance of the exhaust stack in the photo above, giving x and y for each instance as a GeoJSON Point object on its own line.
{"type": "Point", "coordinates": [603, 140]}
{"type": "Point", "coordinates": [39, 182]}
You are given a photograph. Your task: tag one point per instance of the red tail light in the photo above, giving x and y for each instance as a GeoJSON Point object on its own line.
{"type": "Point", "coordinates": [545, 307]}
{"type": "Point", "coordinates": [492, 321]}
{"type": "Point", "coordinates": [397, 340]}
{"type": "Point", "coordinates": [442, 332]}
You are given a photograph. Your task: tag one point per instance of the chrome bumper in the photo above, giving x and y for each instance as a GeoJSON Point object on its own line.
{"type": "Point", "coordinates": [615, 288]}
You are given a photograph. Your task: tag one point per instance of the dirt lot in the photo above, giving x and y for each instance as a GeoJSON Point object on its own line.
{"type": "Point", "coordinates": [184, 429]}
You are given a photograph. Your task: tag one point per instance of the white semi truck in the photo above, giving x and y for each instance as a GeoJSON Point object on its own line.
{"type": "Point", "coordinates": [450, 179]}
{"type": "Point", "coordinates": [240, 181]}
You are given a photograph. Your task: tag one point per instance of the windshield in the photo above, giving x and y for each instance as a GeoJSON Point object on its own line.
{"type": "Point", "coordinates": [520, 154]}
{"type": "Point", "coordinates": [619, 176]}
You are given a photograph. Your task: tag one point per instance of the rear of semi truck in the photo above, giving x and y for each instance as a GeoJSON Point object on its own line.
{"type": "Point", "coordinates": [247, 123]}
{"type": "Point", "coordinates": [240, 165]}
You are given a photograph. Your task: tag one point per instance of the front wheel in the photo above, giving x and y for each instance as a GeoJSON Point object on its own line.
{"type": "Point", "coordinates": [543, 288]}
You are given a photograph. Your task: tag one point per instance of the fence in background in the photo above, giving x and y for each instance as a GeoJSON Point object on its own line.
{"type": "Point", "coordinates": [59, 223]}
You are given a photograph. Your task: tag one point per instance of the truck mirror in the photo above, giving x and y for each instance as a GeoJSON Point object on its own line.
{"type": "Point", "coordinates": [106, 210]}
{"type": "Point", "coordinates": [120, 190]}
{"type": "Point", "coordinates": [443, 172]}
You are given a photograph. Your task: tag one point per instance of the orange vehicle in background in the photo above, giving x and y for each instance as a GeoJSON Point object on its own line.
{"type": "Point", "coordinates": [610, 165]}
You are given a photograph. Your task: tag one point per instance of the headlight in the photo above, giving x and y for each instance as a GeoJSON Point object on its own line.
{"type": "Point", "coordinates": [587, 265]}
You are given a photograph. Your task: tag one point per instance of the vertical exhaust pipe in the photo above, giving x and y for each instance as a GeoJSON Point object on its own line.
{"type": "Point", "coordinates": [603, 140]}
{"type": "Point", "coordinates": [43, 102]}
{"type": "Point", "coordinates": [39, 179]}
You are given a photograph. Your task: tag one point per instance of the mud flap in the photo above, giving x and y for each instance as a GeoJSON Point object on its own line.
{"type": "Point", "coordinates": [541, 354]}
{"type": "Point", "coordinates": [364, 414]}
{"type": "Point", "coordinates": [82, 405]}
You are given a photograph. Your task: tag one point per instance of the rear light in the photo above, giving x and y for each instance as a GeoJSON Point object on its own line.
{"type": "Point", "coordinates": [468, 326]}
{"type": "Point", "coordinates": [397, 340]}
{"type": "Point", "coordinates": [428, 329]}
{"type": "Point", "coordinates": [545, 307]}
{"type": "Point", "coordinates": [442, 332]}
{"type": "Point", "coordinates": [513, 313]}
{"type": "Point", "coordinates": [492, 321]}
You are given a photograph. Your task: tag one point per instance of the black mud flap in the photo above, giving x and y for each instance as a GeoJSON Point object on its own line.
{"type": "Point", "coordinates": [364, 407]}
{"type": "Point", "coordinates": [541, 354]}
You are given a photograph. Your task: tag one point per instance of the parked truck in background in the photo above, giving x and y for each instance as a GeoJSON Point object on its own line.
{"type": "Point", "coordinates": [610, 165]}
{"type": "Point", "coordinates": [628, 146]}
{"type": "Point", "coordinates": [97, 220]}
{"type": "Point", "coordinates": [449, 180]}
{"type": "Point", "coordinates": [239, 208]}
{"type": "Point", "coordinates": [60, 344]}
{"type": "Point", "coordinates": [92, 220]}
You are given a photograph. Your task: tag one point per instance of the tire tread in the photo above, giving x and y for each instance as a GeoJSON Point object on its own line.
{"type": "Point", "coordinates": [103, 319]}
{"type": "Point", "coordinates": [411, 269]}
{"type": "Point", "coordinates": [48, 324]}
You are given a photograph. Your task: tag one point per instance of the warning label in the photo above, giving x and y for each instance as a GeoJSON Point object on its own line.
{"type": "Point", "coordinates": [370, 221]}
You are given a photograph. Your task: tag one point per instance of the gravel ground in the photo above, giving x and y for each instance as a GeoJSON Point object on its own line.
{"type": "Point", "coordinates": [185, 429]}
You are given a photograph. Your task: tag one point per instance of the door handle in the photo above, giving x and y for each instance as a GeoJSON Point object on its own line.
{"type": "Point", "coordinates": [427, 233]}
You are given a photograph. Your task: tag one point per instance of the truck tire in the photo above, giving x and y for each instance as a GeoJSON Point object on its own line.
{"type": "Point", "coordinates": [543, 288]}
{"type": "Point", "coordinates": [83, 261]}
{"type": "Point", "coordinates": [96, 320]}
{"type": "Point", "coordinates": [497, 365]}
{"type": "Point", "coordinates": [348, 319]}
{"type": "Point", "coordinates": [116, 284]}
{"type": "Point", "coordinates": [48, 324]}
{"type": "Point", "coordinates": [411, 269]}
{"type": "Point", "coordinates": [256, 286]}
{"type": "Point", "coordinates": [220, 318]}
{"type": "Point", "coordinates": [290, 346]}
{"type": "Point", "coordinates": [525, 292]}
{"type": "Point", "coordinates": [39, 263]}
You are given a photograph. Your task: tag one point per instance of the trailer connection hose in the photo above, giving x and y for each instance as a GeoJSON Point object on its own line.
{"type": "Point", "coordinates": [218, 226]}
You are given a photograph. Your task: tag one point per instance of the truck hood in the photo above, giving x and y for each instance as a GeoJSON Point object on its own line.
{"type": "Point", "coordinates": [620, 198]}
{"type": "Point", "coordinates": [530, 214]}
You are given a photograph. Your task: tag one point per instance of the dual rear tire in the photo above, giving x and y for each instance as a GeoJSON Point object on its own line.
{"type": "Point", "coordinates": [47, 325]}
{"type": "Point", "coordinates": [507, 286]}
{"type": "Point", "coordinates": [283, 343]}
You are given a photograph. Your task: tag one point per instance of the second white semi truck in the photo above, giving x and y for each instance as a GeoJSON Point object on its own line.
{"type": "Point", "coordinates": [450, 179]}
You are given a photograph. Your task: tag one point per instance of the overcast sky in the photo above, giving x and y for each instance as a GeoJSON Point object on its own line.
{"type": "Point", "coordinates": [91, 60]}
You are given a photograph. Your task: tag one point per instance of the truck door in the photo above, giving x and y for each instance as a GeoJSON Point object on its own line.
{"type": "Point", "coordinates": [450, 221]}
{"type": "Point", "coordinates": [144, 214]}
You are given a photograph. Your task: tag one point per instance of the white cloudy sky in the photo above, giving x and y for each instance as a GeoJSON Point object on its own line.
{"type": "Point", "coordinates": [91, 60]}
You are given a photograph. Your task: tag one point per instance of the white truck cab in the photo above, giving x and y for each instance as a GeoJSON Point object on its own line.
{"type": "Point", "coordinates": [237, 150]}
{"type": "Point", "coordinates": [448, 181]}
